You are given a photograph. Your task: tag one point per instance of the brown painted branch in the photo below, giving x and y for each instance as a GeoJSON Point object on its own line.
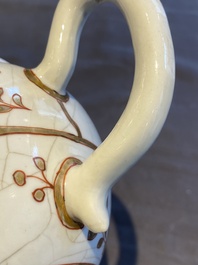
{"type": "Point", "coordinates": [9, 130]}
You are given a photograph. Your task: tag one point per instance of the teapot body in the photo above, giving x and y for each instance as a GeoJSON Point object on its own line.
{"type": "Point", "coordinates": [42, 136]}
{"type": "Point", "coordinates": [55, 180]}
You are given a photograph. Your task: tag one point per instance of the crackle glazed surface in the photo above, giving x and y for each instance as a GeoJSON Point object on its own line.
{"type": "Point", "coordinates": [34, 152]}
{"type": "Point", "coordinates": [54, 180]}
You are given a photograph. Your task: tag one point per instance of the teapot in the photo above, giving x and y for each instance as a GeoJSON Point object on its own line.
{"type": "Point", "coordinates": [55, 174]}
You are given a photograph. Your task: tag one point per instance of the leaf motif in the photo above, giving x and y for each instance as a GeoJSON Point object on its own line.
{"type": "Point", "coordinates": [19, 178]}
{"type": "Point", "coordinates": [39, 163]}
{"type": "Point", "coordinates": [1, 92]}
{"type": "Point", "coordinates": [17, 100]}
{"type": "Point", "coordinates": [39, 195]}
{"type": "Point", "coordinates": [5, 108]}
{"type": "Point", "coordinates": [100, 242]}
{"type": "Point", "coordinates": [91, 236]}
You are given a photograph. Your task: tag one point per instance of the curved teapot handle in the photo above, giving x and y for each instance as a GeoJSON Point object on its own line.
{"type": "Point", "coordinates": [145, 112]}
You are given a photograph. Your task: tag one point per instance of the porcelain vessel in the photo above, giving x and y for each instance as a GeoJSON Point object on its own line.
{"type": "Point", "coordinates": [55, 175]}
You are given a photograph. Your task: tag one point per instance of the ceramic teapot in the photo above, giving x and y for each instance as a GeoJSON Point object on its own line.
{"type": "Point", "coordinates": [55, 175]}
